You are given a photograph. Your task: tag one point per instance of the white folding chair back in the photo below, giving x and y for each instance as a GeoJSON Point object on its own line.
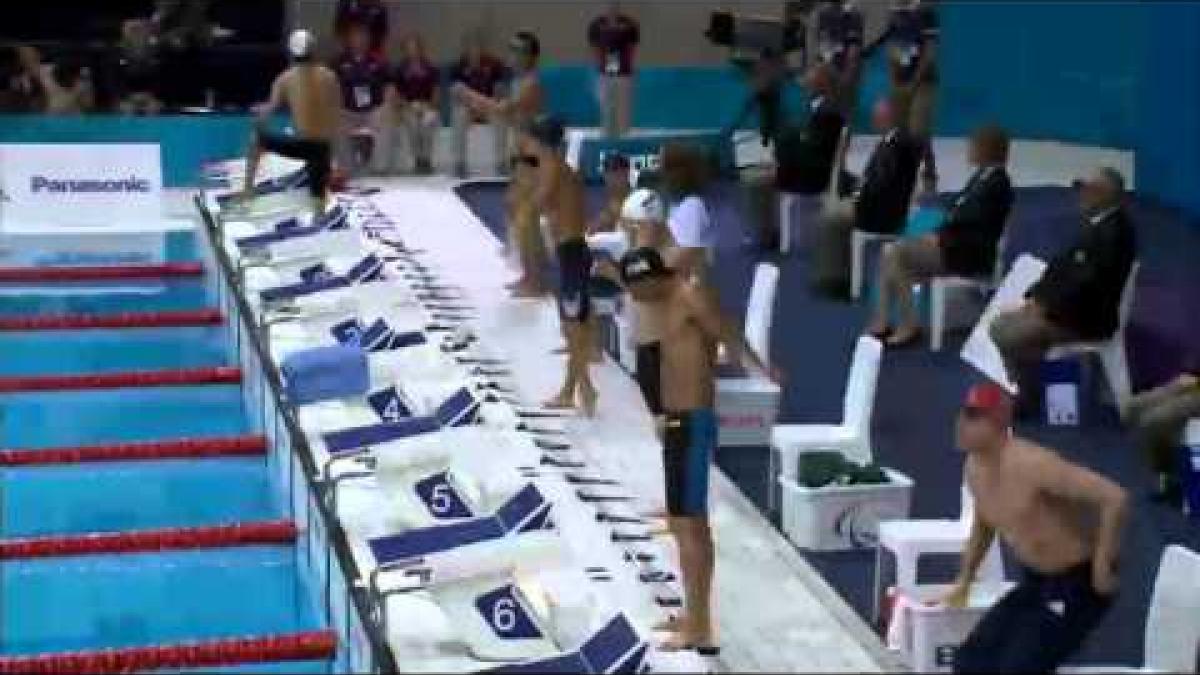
{"type": "Point", "coordinates": [760, 309]}
{"type": "Point", "coordinates": [938, 292]}
{"type": "Point", "coordinates": [1173, 622]}
{"type": "Point", "coordinates": [858, 402]}
{"type": "Point", "coordinates": [1111, 351]}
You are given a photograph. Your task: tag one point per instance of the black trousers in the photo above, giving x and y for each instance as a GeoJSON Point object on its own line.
{"type": "Point", "coordinates": [1036, 626]}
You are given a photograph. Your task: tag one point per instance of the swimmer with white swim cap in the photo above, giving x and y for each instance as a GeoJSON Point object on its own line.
{"type": "Point", "coordinates": [311, 93]}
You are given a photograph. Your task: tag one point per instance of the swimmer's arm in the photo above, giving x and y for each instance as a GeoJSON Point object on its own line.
{"type": "Point", "coordinates": [708, 314]}
{"type": "Point", "coordinates": [978, 543]}
{"type": "Point", "coordinates": [686, 260]}
{"type": "Point", "coordinates": [1082, 486]}
{"type": "Point", "coordinates": [274, 101]}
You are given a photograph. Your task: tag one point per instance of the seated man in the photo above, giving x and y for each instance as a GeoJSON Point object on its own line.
{"type": "Point", "coordinates": [520, 108]}
{"type": "Point", "coordinates": [1079, 296]}
{"type": "Point", "coordinates": [804, 161]}
{"type": "Point", "coordinates": [1158, 416]}
{"type": "Point", "coordinates": [417, 88]}
{"type": "Point", "coordinates": [890, 177]}
{"type": "Point", "coordinates": [310, 90]}
{"type": "Point", "coordinates": [964, 246]}
{"type": "Point", "coordinates": [1063, 524]}
{"type": "Point", "coordinates": [363, 77]}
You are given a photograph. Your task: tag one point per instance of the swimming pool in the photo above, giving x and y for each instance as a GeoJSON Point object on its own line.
{"type": "Point", "coordinates": [139, 598]}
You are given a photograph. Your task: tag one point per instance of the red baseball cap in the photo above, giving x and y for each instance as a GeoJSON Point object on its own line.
{"type": "Point", "coordinates": [986, 397]}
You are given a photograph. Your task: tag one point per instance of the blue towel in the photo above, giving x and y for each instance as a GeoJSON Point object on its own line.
{"type": "Point", "coordinates": [326, 373]}
{"type": "Point", "coordinates": [357, 438]}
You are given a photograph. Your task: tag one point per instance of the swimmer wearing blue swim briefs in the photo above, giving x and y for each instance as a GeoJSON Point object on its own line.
{"type": "Point", "coordinates": [692, 327]}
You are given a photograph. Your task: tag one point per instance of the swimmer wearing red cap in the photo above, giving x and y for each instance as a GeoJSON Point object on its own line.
{"type": "Point", "coordinates": [1063, 524]}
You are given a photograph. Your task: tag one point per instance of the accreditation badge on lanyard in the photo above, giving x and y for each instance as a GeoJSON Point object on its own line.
{"type": "Point", "coordinates": [612, 63]}
{"type": "Point", "coordinates": [362, 96]}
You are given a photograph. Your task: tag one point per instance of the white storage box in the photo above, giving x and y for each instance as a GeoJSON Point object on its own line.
{"type": "Point", "coordinates": [842, 517]}
{"type": "Point", "coordinates": [929, 635]}
{"type": "Point", "coordinates": [746, 410]}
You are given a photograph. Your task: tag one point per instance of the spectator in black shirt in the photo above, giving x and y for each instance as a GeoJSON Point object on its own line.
{"type": "Point", "coordinates": [964, 246]}
{"type": "Point", "coordinates": [486, 75]}
{"type": "Point", "coordinates": [804, 161]}
{"type": "Point", "coordinates": [1079, 295]}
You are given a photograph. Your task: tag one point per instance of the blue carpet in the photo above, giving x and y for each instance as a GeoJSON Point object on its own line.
{"type": "Point", "coordinates": [914, 433]}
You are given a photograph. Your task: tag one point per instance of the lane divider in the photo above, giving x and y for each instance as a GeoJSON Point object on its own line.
{"type": "Point", "coordinates": [101, 273]}
{"type": "Point", "coordinates": [134, 379]}
{"type": "Point", "coordinates": [147, 541]}
{"type": "Point", "coordinates": [177, 319]}
{"type": "Point", "coordinates": [187, 448]}
{"type": "Point", "coordinates": [318, 645]}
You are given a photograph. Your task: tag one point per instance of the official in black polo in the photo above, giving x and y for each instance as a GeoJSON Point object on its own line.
{"type": "Point", "coordinates": [1079, 295]}
{"type": "Point", "coordinates": [804, 156]}
{"type": "Point", "coordinates": [964, 246]}
{"type": "Point", "coordinates": [881, 206]}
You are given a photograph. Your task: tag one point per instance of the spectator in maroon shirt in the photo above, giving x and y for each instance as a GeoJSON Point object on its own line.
{"type": "Point", "coordinates": [416, 80]}
{"type": "Point", "coordinates": [614, 38]}
{"type": "Point", "coordinates": [366, 102]}
{"type": "Point", "coordinates": [370, 13]}
{"type": "Point", "coordinates": [485, 75]}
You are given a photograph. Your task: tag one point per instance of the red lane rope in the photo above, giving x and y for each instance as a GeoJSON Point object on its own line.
{"type": "Point", "coordinates": [189, 448]}
{"type": "Point", "coordinates": [145, 378]}
{"type": "Point", "coordinates": [100, 273]}
{"type": "Point", "coordinates": [145, 541]}
{"type": "Point", "coordinates": [198, 317]}
{"type": "Point", "coordinates": [305, 646]}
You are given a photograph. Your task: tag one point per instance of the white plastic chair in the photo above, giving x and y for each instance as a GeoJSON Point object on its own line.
{"type": "Point", "coordinates": [1172, 634]}
{"type": "Point", "coordinates": [1111, 351]}
{"type": "Point", "coordinates": [858, 253]}
{"type": "Point", "coordinates": [787, 200]}
{"type": "Point", "coordinates": [852, 437]}
{"type": "Point", "coordinates": [939, 288]}
{"type": "Point", "coordinates": [750, 399]}
{"type": "Point", "coordinates": [908, 540]}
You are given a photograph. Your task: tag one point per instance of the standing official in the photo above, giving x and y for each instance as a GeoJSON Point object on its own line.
{"type": "Point", "coordinates": [614, 38]}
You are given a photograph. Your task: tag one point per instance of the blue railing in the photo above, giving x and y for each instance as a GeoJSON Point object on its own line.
{"type": "Point", "coordinates": [323, 552]}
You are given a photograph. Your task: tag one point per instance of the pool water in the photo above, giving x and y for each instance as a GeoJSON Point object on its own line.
{"type": "Point", "coordinates": [123, 496]}
{"type": "Point", "coordinates": [107, 351]}
{"type": "Point", "coordinates": [70, 418]}
{"type": "Point", "coordinates": [137, 599]}
{"type": "Point", "coordinates": [95, 602]}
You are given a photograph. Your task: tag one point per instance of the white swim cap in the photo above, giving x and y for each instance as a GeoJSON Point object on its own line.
{"type": "Point", "coordinates": [300, 44]}
{"type": "Point", "coordinates": [644, 204]}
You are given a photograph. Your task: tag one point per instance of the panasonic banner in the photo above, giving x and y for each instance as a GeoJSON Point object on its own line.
{"type": "Point", "coordinates": [81, 204]}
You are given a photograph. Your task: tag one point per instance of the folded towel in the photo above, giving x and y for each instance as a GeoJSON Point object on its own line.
{"type": "Point", "coordinates": [326, 373]}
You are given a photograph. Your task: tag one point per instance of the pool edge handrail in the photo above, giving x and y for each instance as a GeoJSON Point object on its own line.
{"type": "Point", "coordinates": [381, 653]}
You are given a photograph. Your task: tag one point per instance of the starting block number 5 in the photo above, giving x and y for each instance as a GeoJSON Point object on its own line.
{"type": "Point", "coordinates": [440, 497]}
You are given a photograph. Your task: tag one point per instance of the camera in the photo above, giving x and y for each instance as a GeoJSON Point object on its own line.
{"type": "Point", "coordinates": [751, 37]}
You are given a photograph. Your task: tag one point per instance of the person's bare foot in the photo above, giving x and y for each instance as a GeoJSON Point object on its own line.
{"type": "Point", "coordinates": [563, 401]}
{"type": "Point", "coordinates": [587, 400]}
{"type": "Point", "coordinates": [687, 640]}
